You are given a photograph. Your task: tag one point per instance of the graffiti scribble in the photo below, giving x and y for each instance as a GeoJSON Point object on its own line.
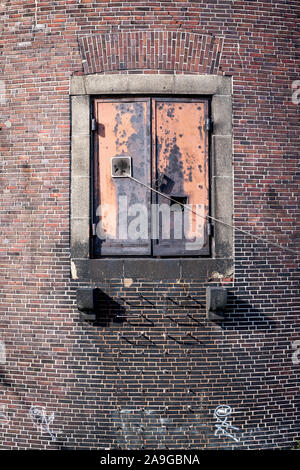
{"type": "Point", "coordinates": [42, 420]}
{"type": "Point", "coordinates": [221, 414]}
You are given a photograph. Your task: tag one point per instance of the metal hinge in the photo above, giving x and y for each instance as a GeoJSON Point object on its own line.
{"type": "Point", "coordinates": [93, 230]}
{"type": "Point", "coordinates": [94, 124]}
{"type": "Point", "coordinates": [208, 124]}
{"type": "Point", "coordinates": [209, 229]}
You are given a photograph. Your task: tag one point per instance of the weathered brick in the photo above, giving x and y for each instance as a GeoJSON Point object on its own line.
{"type": "Point", "coordinates": [151, 359]}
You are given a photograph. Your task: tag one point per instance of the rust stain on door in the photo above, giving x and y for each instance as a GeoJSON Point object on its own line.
{"type": "Point", "coordinates": [171, 149]}
{"type": "Point", "coordinates": [180, 169]}
{"type": "Point", "coordinates": [123, 129]}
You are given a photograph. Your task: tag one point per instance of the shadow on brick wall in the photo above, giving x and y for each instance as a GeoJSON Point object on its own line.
{"type": "Point", "coordinates": [107, 310]}
{"type": "Point", "coordinates": [241, 314]}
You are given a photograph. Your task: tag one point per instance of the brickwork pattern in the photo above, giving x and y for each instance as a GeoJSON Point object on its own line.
{"type": "Point", "coordinates": [152, 370]}
{"type": "Point", "coordinates": [141, 50]}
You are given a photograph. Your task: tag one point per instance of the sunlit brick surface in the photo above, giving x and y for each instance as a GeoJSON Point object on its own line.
{"type": "Point", "coordinates": [153, 377]}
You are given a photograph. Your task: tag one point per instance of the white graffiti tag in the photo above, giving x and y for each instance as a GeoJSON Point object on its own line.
{"type": "Point", "coordinates": [41, 420]}
{"type": "Point", "coordinates": [296, 93]}
{"type": "Point", "coordinates": [221, 414]}
{"type": "Point", "coordinates": [296, 354]}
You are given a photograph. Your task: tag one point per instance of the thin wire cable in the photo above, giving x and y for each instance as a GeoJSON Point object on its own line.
{"type": "Point", "coordinates": [245, 232]}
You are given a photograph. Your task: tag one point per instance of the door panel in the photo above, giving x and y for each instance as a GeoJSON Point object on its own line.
{"type": "Point", "coordinates": [123, 130]}
{"type": "Point", "coordinates": [180, 169]}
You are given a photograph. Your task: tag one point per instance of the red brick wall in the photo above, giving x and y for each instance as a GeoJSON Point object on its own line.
{"type": "Point", "coordinates": [108, 386]}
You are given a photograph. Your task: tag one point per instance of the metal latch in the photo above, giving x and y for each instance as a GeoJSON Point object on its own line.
{"type": "Point", "coordinates": [94, 124]}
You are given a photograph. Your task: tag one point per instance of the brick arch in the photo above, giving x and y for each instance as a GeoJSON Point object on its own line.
{"type": "Point", "coordinates": [151, 50]}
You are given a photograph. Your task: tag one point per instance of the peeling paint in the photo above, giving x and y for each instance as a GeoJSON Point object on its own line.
{"type": "Point", "coordinates": [180, 152]}
{"type": "Point", "coordinates": [125, 130]}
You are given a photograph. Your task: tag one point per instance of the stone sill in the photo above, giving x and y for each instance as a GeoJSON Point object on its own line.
{"type": "Point", "coordinates": [97, 270]}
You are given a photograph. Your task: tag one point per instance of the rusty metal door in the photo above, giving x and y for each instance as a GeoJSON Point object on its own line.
{"type": "Point", "coordinates": [167, 143]}
{"type": "Point", "coordinates": [123, 129]}
{"type": "Point", "coordinates": [180, 170]}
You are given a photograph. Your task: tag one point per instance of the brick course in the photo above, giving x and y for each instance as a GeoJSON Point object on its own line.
{"type": "Point", "coordinates": [156, 50]}
{"type": "Point", "coordinates": [153, 377]}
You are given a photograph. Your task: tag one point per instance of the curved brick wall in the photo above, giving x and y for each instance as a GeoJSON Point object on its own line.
{"type": "Point", "coordinates": [154, 378]}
